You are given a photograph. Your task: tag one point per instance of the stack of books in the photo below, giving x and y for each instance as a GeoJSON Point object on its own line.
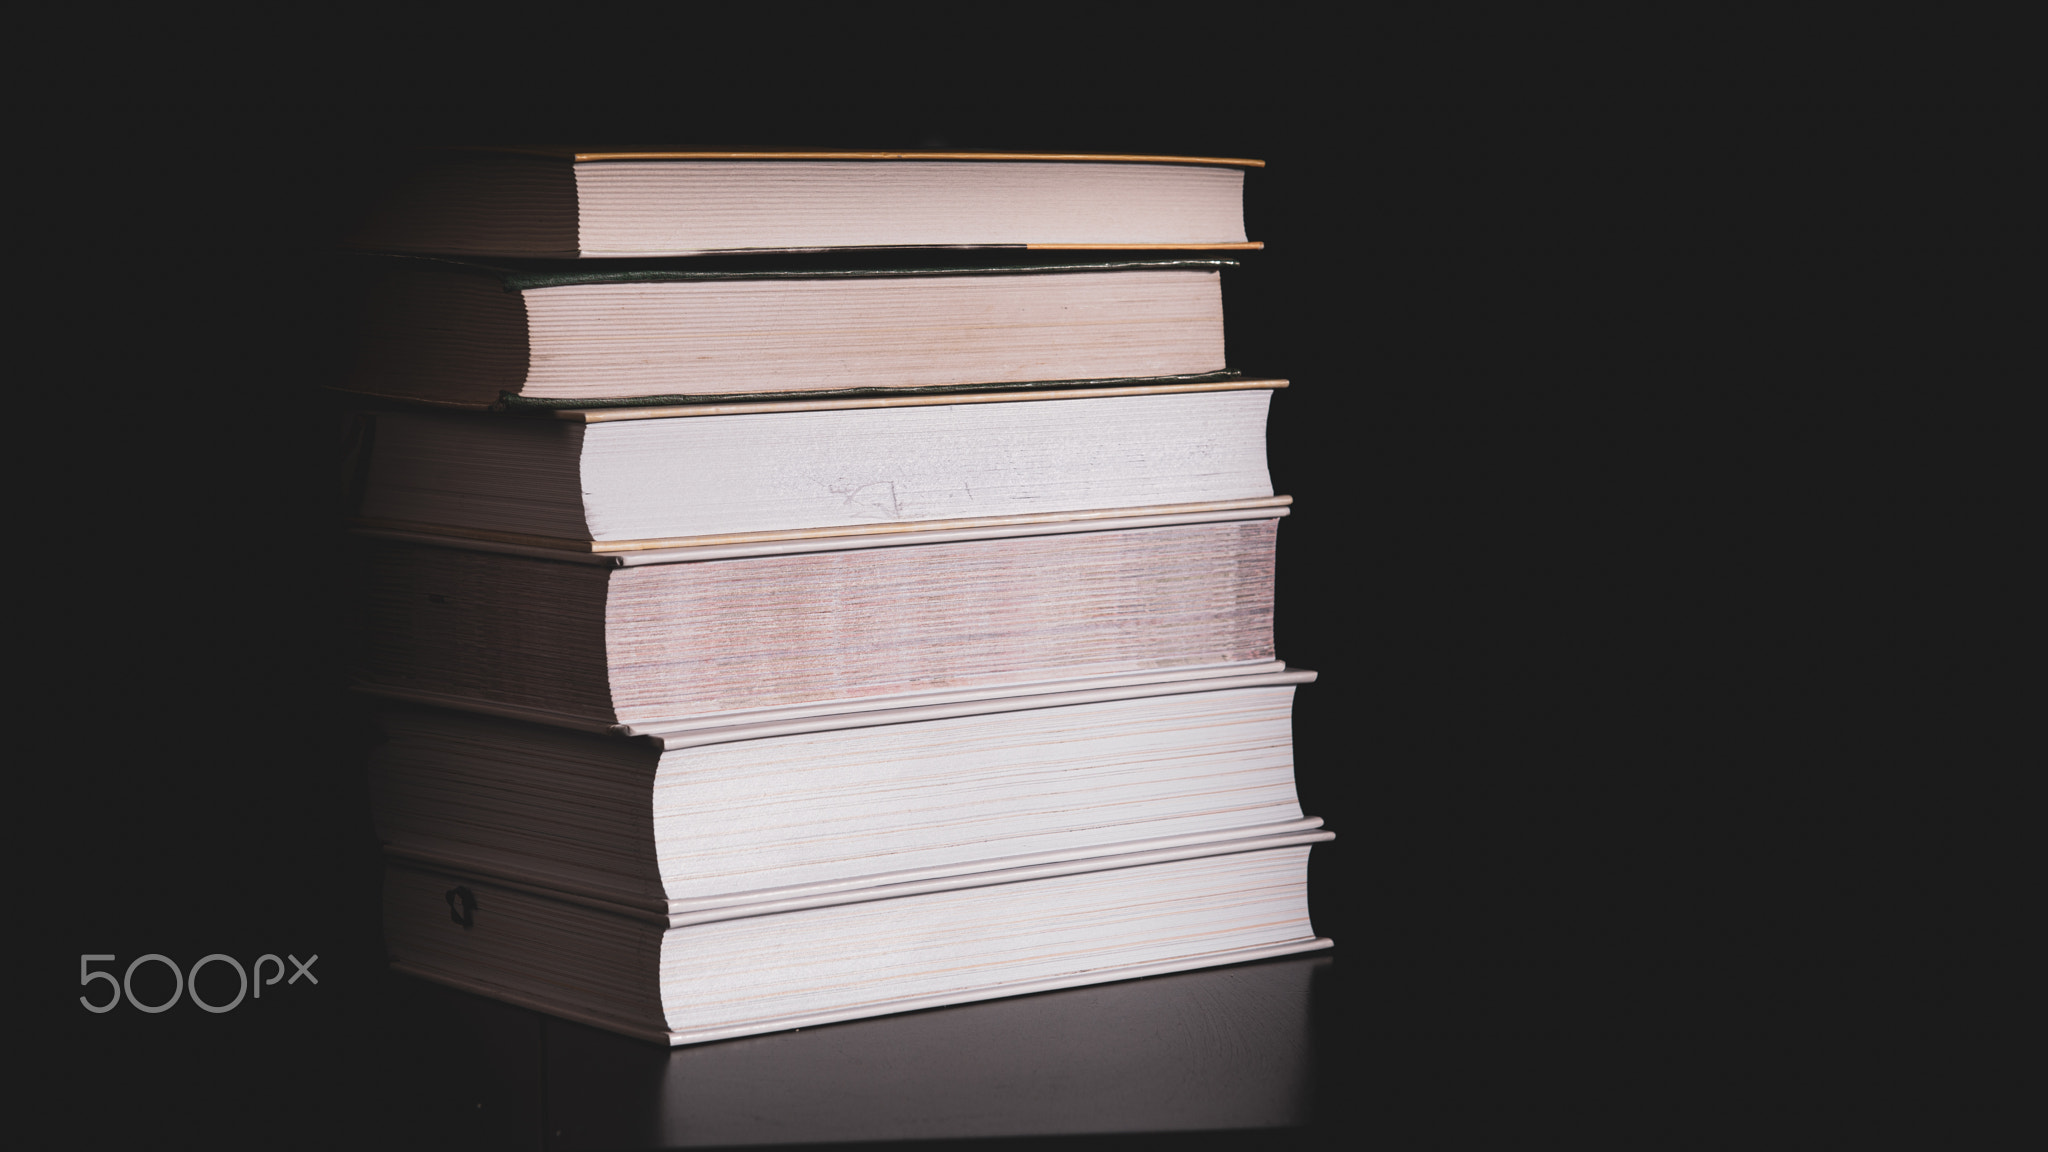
{"type": "Point", "coordinates": [801, 587]}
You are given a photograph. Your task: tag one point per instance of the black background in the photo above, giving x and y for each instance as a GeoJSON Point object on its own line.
{"type": "Point", "coordinates": [1659, 514]}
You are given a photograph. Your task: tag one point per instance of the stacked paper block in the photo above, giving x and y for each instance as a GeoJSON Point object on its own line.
{"type": "Point", "coordinates": [765, 638]}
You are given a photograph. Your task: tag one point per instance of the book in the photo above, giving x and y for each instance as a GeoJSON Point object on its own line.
{"type": "Point", "coordinates": [621, 479]}
{"type": "Point", "coordinates": [651, 637]}
{"type": "Point", "coordinates": [775, 811]}
{"type": "Point", "coordinates": [569, 204]}
{"type": "Point", "coordinates": [771, 629]}
{"type": "Point", "coordinates": [469, 335]}
{"type": "Point", "coordinates": [747, 969]}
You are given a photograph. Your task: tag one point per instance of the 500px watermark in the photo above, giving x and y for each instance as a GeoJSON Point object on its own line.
{"type": "Point", "coordinates": [187, 982]}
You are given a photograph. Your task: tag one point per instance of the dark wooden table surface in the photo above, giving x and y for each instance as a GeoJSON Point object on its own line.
{"type": "Point", "coordinates": [1224, 1049]}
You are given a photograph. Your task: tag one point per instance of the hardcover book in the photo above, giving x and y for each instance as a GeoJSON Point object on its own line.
{"type": "Point", "coordinates": [744, 969]}
{"type": "Point", "coordinates": [652, 637]}
{"type": "Point", "coordinates": [578, 204]}
{"type": "Point", "coordinates": [704, 815]}
{"type": "Point", "coordinates": [476, 336]}
{"type": "Point", "coordinates": [629, 479]}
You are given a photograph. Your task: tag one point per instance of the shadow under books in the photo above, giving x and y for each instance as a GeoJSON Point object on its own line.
{"type": "Point", "coordinates": [1221, 1048]}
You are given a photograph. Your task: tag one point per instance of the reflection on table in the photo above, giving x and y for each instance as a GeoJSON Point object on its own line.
{"type": "Point", "coordinates": [1223, 1048]}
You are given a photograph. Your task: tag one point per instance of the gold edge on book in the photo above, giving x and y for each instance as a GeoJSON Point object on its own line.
{"type": "Point", "coordinates": [894, 528]}
{"type": "Point", "coordinates": [750, 407]}
{"type": "Point", "coordinates": [763, 154]}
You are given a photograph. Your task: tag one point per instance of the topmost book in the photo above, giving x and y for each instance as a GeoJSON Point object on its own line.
{"type": "Point", "coordinates": [563, 204]}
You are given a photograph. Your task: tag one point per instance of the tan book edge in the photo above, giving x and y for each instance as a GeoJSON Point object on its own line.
{"type": "Point", "coordinates": [885, 1008]}
{"type": "Point", "coordinates": [881, 885]}
{"type": "Point", "coordinates": [678, 549]}
{"type": "Point", "coordinates": [918, 400]}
